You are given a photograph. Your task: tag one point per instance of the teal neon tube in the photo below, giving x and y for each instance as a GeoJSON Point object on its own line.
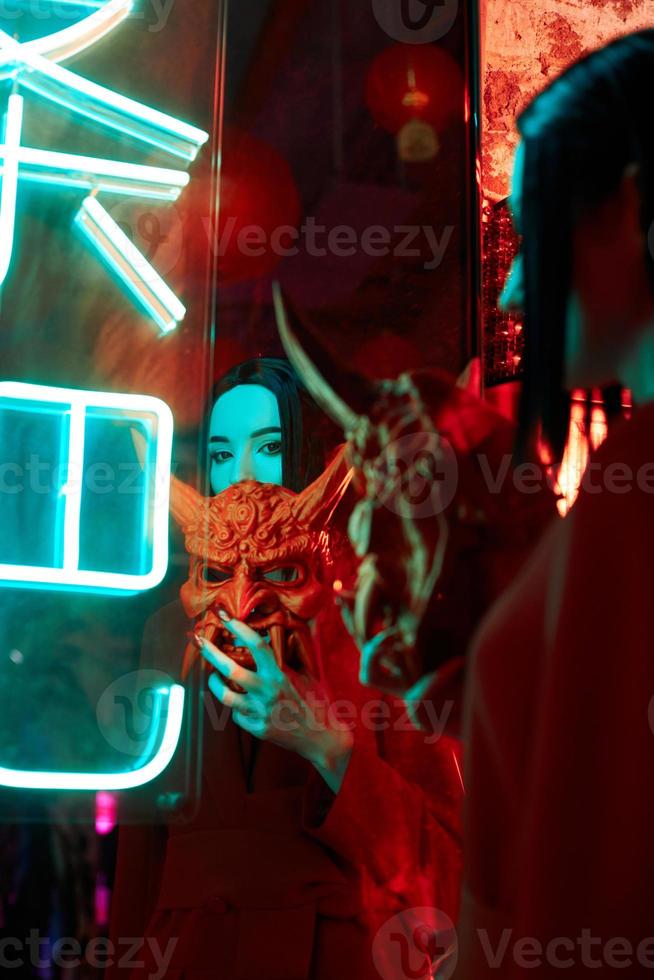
{"type": "Point", "coordinates": [13, 129]}
{"type": "Point", "coordinates": [82, 781]}
{"type": "Point", "coordinates": [102, 105]}
{"type": "Point", "coordinates": [125, 260]}
{"type": "Point", "coordinates": [77, 403]}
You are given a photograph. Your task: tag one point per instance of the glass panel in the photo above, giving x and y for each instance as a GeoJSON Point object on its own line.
{"type": "Point", "coordinates": [109, 145]}
{"type": "Point", "coordinates": [349, 175]}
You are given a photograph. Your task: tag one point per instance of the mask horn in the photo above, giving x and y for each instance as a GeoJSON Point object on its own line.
{"type": "Point", "coordinates": [315, 506]}
{"type": "Point", "coordinates": [470, 379]}
{"type": "Point", "coordinates": [185, 503]}
{"type": "Point", "coordinates": [340, 393]}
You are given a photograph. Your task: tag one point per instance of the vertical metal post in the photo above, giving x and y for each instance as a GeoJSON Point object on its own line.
{"type": "Point", "coordinates": [472, 338]}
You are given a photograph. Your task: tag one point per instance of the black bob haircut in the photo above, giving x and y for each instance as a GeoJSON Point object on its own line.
{"type": "Point", "coordinates": [579, 136]}
{"type": "Point", "coordinates": [302, 447]}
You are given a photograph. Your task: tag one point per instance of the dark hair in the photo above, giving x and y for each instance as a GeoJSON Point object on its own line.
{"type": "Point", "coordinates": [578, 135]}
{"type": "Point", "coordinates": [302, 450]}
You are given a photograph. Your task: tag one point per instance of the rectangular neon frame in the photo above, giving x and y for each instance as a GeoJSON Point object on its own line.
{"type": "Point", "coordinates": [69, 576]}
{"type": "Point", "coordinates": [93, 782]}
{"type": "Point", "coordinates": [130, 265]}
{"type": "Point", "coordinates": [86, 98]}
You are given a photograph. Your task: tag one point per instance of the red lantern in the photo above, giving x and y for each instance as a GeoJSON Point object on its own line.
{"type": "Point", "coordinates": [416, 92]}
{"type": "Point", "coordinates": [259, 208]}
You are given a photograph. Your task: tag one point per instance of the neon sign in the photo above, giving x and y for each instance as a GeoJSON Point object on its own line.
{"type": "Point", "coordinates": [138, 276]}
{"type": "Point", "coordinates": [71, 503]}
{"type": "Point", "coordinates": [83, 33]}
{"type": "Point", "coordinates": [72, 427]}
{"type": "Point", "coordinates": [32, 68]}
{"type": "Point", "coordinates": [166, 732]}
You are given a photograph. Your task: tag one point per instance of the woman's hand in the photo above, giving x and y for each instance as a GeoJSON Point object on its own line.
{"type": "Point", "coordinates": [275, 706]}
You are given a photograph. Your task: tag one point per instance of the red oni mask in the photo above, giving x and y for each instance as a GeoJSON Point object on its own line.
{"type": "Point", "coordinates": [258, 552]}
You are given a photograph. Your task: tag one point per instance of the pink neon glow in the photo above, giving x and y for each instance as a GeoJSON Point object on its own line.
{"type": "Point", "coordinates": [105, 812]}
{"type": "Point", "coordinates": [102, 901]}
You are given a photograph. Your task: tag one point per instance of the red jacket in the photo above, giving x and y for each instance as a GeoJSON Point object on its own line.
{"type": "Point", "coordinates": [280, 879]}
{"type": "Point", "coordinates": [559, 841]}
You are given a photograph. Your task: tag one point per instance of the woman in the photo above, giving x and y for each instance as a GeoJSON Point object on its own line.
{"type": "Point", "coordinates": [560, 807]}
{"type": "Point", "coordinates": [308, 837]}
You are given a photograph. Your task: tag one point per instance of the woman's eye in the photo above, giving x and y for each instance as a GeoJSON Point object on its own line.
{"type": "Point", "coordinates": [271, 448]}
{"type": "Point", "coordinates": [220, 456]}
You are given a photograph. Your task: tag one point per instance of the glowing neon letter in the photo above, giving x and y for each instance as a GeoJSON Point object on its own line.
{"type": "Point", "coordinates": [100, 104]}
{"type": "Point", "coordinates": [13, 128]}
{"type": "Point", "coordinates": [82, 34]}
{"type": "Point", "coordinates": [139, 776]}
{"type": "Point", "coordinates": [130, 265]}
{"type": "Point", "coordinates": [77, 406]}
{"type": "Point", "coordinates": [92, 173]}
{"type": "Point", "coordinates": [26, 65]}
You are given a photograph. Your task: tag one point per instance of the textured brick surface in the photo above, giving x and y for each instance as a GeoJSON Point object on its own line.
{"type": "Point", "coordinates": [527, 44]}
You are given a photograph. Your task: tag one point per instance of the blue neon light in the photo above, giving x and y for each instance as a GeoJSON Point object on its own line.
{"type": "Point", "coordinates": [77, 37]}
{"type": "Point", "coordinates": [12, 131]}
{"type": "Point", "coordinates": [78, 407]}
{"type": "Point", "coordinates": [143, 773]}
{"type": "Point", "coordinates": [102, 105]}
{"type": "Point", "coordinates": [125, 260]}
{"type": "Point", "coordinates": [40, 75]}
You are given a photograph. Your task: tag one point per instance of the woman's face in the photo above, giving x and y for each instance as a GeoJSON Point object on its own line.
{"type": "Point", "coordinates": [611, 298]}
{"type": "Point", "coordinates": [245, 438]}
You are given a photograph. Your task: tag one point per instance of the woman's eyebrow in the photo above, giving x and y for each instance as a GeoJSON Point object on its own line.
{"type": "Point", "coordinates": [253, 435]}
{"type": "Point", "coordinates": [266, 432]}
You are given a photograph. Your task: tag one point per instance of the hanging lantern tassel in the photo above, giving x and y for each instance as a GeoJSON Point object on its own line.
{"type": "Point", "coordinates": [415, 92]}
{"type": "Point", "coordinates": [417, 142]}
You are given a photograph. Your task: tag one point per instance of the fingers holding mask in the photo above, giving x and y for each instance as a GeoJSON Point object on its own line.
{"type": "Point", "coordinates": [227, 667]}
{"type": "Point", "coordinates": [262, 652]}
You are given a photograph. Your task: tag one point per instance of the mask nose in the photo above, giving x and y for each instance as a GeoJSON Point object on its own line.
{"type": "Point", "coordinates": [249, 600]}
{"type": "Point", "coordinates": [257, 604]}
